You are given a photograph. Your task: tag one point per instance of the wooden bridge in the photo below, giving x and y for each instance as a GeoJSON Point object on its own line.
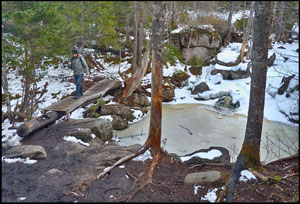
{"type": "Point", "coordinates": [69, 104]}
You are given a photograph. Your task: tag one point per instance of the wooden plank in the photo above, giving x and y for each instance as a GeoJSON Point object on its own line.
{"type": "Point", "coordinates": [99, 89]}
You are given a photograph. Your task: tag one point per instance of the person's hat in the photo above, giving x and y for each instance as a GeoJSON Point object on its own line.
{"type": "Point", "coordinates": [74, 52]}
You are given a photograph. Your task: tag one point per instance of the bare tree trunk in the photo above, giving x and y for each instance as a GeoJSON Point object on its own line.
{"type": "Point", "coordinates": [4, 81]}
{"type": "Point", "coordinates": [134, 57]}
{"type": "Point", "coordinates": [247, 32]}
{"type": "Point", "coordinates": [140, 38]}
{"type": "Point", "coordinates": [229, 25]}
{"type": "Point", "coordinates": [158, 34]}
{"type": "Point", "coordinates": [275, 3]}
{"type": "Point", "coordinates": [279, 35]}
{"type": "Point", "coordinates": [244, 22]}
{"type": "Point", "coordinates": [249, 156]}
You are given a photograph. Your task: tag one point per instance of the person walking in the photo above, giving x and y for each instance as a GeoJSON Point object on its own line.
{"type": "Point", "coordinates": [79, 67]}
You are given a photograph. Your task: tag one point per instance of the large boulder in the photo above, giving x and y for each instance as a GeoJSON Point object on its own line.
{"type": "Point", "coordinates": [200, 88]}
{"type": "Point", "coordinates": [198, 52]}
{"type": "Point", "coordinates": [200, 37]}
{"type": "Point", "coordinates": [102, 128]}
{"type": "Point", "coordinates": [238, 72]}
{"type": "Point", "coordinates": [24, 151]}
{"type": "Point", "coordinates": [83, 134]}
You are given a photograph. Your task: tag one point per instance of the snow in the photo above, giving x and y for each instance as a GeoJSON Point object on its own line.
{"type": "Point", "coordinates": [204, 155]}
{"type": "Point", "coordinates": [14, 160]}
{"type": "Point", "coordinates": [246, 175]}
{"type": "Point", "coordinates": [211, 196]}
{"type": "Point", "coordinates": [21, 198]}
{"type": "Point", "coordinates": [143, 157]}
{"type": "Point", "coordinates": [196, 189]}
{"type": "Point", "coordinates": [228, 56]}
{"type": "Point", "coordinates": [74, 139]}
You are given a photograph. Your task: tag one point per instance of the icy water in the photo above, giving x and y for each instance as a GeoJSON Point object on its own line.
{"type": "Point", "coordinates": [190, 127]}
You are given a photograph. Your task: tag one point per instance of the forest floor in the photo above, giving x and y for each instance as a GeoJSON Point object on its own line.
{"type": "Point", "coordinates": [23, 182]}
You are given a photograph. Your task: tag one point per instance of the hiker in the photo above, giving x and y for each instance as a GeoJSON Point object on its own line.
{"type": "Point", "coordinates": [79, 67]}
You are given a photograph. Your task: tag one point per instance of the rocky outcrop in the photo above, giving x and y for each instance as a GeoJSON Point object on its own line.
{"type": "Point", "coordinates": [199, 52]}
{"type": "Point", "coordinates": [226, 102]}
{"type": "Point", "coordinates": [24, 151]}
{"type": "Point", "coordinates": [200, 88]}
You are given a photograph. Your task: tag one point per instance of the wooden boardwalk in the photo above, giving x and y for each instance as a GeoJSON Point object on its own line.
{"type": "Point", "coordinates": [69, 104]}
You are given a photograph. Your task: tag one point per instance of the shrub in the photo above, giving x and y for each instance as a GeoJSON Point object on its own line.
{"type": "Point", "coordinates": [195, 62]}
{"type": "Point", "coordinates": [239, 24]}
{"type": "Point", "coordinates": [172, 53]}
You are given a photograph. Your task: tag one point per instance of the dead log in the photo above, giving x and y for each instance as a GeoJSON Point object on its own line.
{"type": "Point", "coordinates": [133, 82]}
{"type": "Point", "coordinates": [38, 123]}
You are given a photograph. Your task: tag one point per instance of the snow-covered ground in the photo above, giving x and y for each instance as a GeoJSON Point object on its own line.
{"type": "Point", "coordinates": [238, 89]}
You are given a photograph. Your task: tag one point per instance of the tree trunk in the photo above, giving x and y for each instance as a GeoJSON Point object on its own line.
{"type": "Point", "coordinates": [246, 33]}
{"type": "Point", "coordinates": [279, 35]}
{"type": "Point", "coordinates": [228, 35]}
{"type": "Point", "coordinates": [37, 123]}
{"type": "Point", "coordinates": [134, 57]}
{"type": "Point", "coordinates": [158, 34]}
{"type": "Point", "coordinates": [249, 156]}
{"type": "Point", "coordinates": [273, 28]}
{"type": "Point", "coordinates": [140, 37]}
{"type": "Point", "coordinates": [5, 91]}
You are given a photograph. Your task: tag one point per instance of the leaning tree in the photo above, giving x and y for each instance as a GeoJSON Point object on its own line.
{"type": "Point", "coordinates": [249, 156]}
{"type": "Point", "coordinates": [154, 137]}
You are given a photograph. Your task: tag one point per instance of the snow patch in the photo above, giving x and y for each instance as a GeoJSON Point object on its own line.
{"type": "Point", "coordinates": [204, 155]}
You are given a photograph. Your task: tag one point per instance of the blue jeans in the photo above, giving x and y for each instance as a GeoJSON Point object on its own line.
{"type": "Point", "coordinates": [79, 87]}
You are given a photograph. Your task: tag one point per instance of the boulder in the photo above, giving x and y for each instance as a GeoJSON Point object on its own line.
{"type": "Point", "coordinates": [225, 73]}
{"type": "Point", "coordinates": [196, 70]}
{"type": "Point", "coordinates": [137, 100]}
{"type": "Point", "coordinates": [202, 177]}
{"type": "Point", "coordinates": [200, 37]}
{"type": "Point", "coordinates": [200, 88]}
{"type": "Point", "coordinates": [226, 102]}
{"type": "Point", "coordinates": [233, 74]}
{"type": "Point", "coordinates": [199, 52]}
{"type": "Point", "coordinates": [178, 79]}
{"type": "Point", "coordinates": [212, 95]}
{"type": "Point", "coordinates": [119, 123]}
{"type": "Point", "coordinates": [83, 134]}
{"type": "Point", "coordinates": [102, 128]}
{"type": "Point", "coordinates": [24, 151]}
{"type": "Point", "coordinates": [168, 94]}
{"type": "Point", "coordinates": [223, 158]}
{"type": "Point", "coordinates": [228, 58]}
{"type": "Point", "coordinates": [118, 109]}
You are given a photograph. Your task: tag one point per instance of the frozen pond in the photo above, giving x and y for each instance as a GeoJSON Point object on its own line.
{"type": "Point", "coordinates": [190, 127]}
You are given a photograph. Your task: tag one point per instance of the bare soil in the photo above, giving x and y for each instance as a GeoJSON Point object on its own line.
{"type": "Point", "coordinates": [79, 182]}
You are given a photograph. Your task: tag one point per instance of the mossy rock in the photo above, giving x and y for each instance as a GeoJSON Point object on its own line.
{"type": "Point", "coordinates": [196, 70]}
{"type": "Point", "coordinates": [179, 78]}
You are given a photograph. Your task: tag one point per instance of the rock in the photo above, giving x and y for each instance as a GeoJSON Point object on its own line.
{"type": "Point", "coordinates": [168, 94]}
{"type": "Point", "coordinates": [224, 158]}
{"type": "Point", "coordinates": [102, 128]}
{"type": "Point", "coordinates": [55, 172]}
{"type": "Point", "coordinates": [199, 37]}
{"type": "Point", "coordinates": [24, 151]}
{"type": "Point", "coordinates": [199, 52]}
{"type": "Point", "coordinates": [202, 177]}
{"type": "Point", "coordinates": [281, 47]}
{"type": "Point", "coordinates": [119, 123]}
{"type": "Point", "coordinates": [196, 70]}
{"type": "Point", "coordinates": [216, 79]}
{"type": "Point", "coordinates": [212, 95]}
{"type": "Point", "coordinates": [285, 84]}
{"type": "Point", "coordinates": [271, 60]}
{"type": "Point", "coordinates": [118, 109]}
{"type": "Point", "coordinates": [178, 79]}
{"type": "Point", "coordinates": [200, 88]}
{"type": "Point", "coordinates": [226, 75]}
{"type": "Point", "coordinates": [226, 102]}
{"type": "Point", "coordinates": [241, 74]}
{"type": "Point", "coordinates": [83, 134]}
{"type": "Point", "coordinates": [137, 100]}
{"type": "Point", "coordinates": [223, 59]}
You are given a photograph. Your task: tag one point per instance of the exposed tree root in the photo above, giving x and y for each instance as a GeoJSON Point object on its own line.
{"type": "Point", "coordinates": [142, 150]}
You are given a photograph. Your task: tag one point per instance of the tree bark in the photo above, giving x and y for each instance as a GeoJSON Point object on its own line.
{"type": "Point", "coordinates": [5, 91]}
{"type": "Point", "coordinates": [249, 156]}
{"type": "Point", "coordinates": [279, 35]}
{"type": "Point", "coordinates": [140, 38]}
{"type": "Point", "coordinates": [158, 34]}
{"type": "Point", "coordinates": [229, 25]}
{"type": "Point", "coordinates": [37, 123]}
{"type": "Point", "coordinates": [134, 57]}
